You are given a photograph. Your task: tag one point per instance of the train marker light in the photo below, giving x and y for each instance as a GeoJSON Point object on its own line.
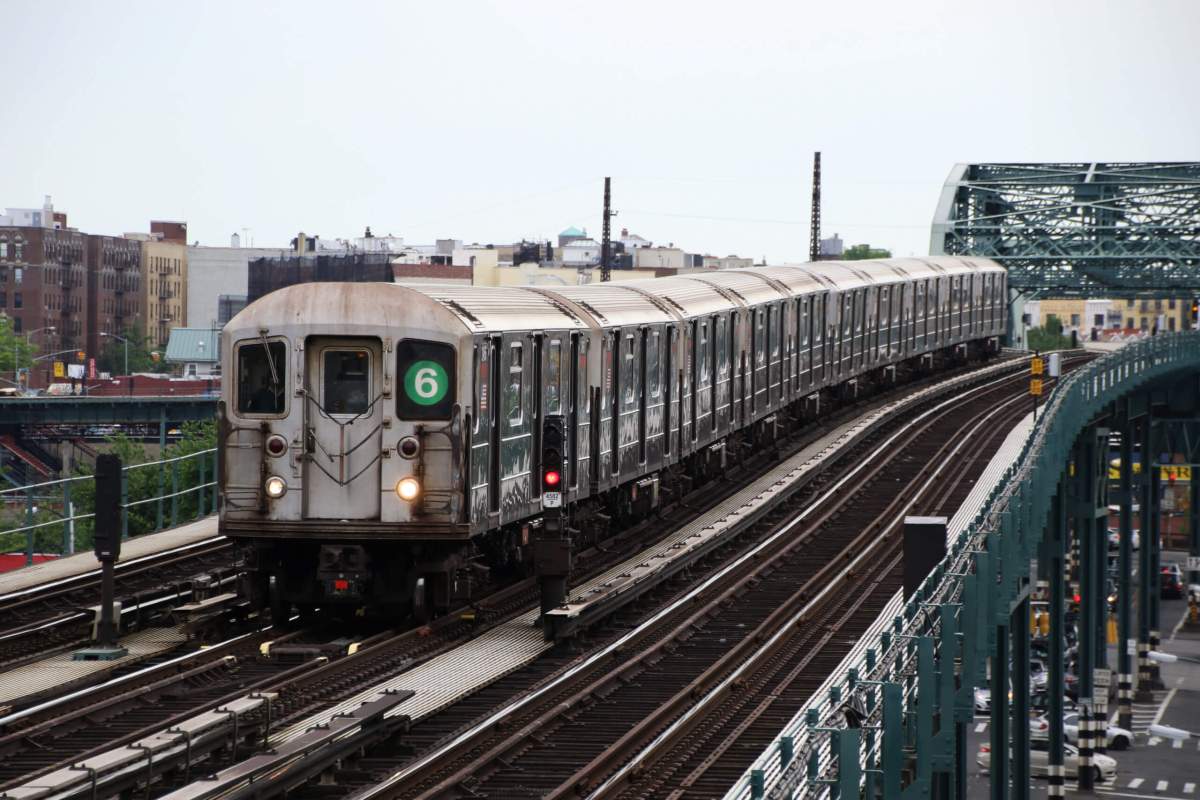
{"type": "Point", "coordinates": [276, 445]}
{"type": "Point", "coordinates": [408, 488]}
{"type": "Point", "coordinates": [275, 486]}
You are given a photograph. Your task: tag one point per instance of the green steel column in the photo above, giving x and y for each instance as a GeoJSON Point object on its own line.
{"type": "Point", "coordinates": [1098, 530]}
{"type": "Point", "coordinates": [1194, 521]}
{"type": "Point", "coordinates": [1145, 584]}
{"type": "Point", "coordinates": [174, 493]}
{"type": "Point", "coordinates": [999, 722]}
{"type": "Point", "coordinates": [1125, 585]}
{"type": "Point", "coordinates": [216, 480]}
{"type": "Point", "coordinates": [927, 691]}
{"type": "Point", "coordinates": [1056, 683]}
{"type": "Point", "coordinates": [893, 740]}
{"type": "Point", "coordinates": [1019, 628]}
{"type": "Point", "coordinates": [849, 770]}
{"type": "Point", "coordinates": [1082, 497]}
{"type": "Point", "coordinates": [1155, 574]}
{"type": "Point", "coordinates": [944, 746]}
{"type": "Point", "coordinates": [162, 477]}
{"type": "Point", "coordinates": [125, 502]}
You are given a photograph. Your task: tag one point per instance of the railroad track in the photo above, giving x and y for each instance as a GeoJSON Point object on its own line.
{"type": "Point", "coordinates": [574, 723]}
{"type": "Point", "coordinates": [316, 685]}
{"type": "Point", "coordinates": [50, 616]}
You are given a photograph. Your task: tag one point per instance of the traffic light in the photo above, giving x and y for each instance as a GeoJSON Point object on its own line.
{"type": "Point", "coordinates": [553, 450]}
{"type": "Point", "coordinates": [1195, 312]}
{"type": "Point", "coordinates": [81, 356]}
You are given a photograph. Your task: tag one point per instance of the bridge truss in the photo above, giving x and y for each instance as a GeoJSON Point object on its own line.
{"type": "Point", "coordinates": [1077, 229]}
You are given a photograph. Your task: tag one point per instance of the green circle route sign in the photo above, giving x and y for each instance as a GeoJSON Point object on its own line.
{"type": "Point", "coordinates": [426, 383]}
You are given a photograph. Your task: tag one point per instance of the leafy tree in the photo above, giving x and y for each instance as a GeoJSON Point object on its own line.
{"type": "Point", "coordinates": [112, 354]}
{"type": "Point", "coordinates": [860, 252]}
{"type": "Point", "coordinates": [24, 350]}
{"type": "Point", "coordinates": [141, 484]}
{"type": "Point", "coordinates": [1049, 336]}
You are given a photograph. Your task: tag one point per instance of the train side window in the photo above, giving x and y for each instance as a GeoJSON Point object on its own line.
{"type": "Point", "coordinates": [554, 377]}
{"type": "Point", "coordinates": [262, 377]}
{"type": "Point", "coordinates": [630, 393]}
{"type": "Point", "coordinates": [512, 397]}
{"type": "Point", "coordinates": [653, 349]}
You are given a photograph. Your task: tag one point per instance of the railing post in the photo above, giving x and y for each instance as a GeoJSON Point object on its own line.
{"type": "Point", "coordinates": [174, 493]}
{"type": "Point", "coordinates": [162, 446]}
{"type": "Point", "coordinates": [200, 458]}
{"type": "Point", "coordinates": [68, 523]}
{"type": "Point", "coordinates": [125, 503]}
{"type": "Point", "coordinates": [216, 480]}
{"type": "Point", "coordinates": [29, 526]}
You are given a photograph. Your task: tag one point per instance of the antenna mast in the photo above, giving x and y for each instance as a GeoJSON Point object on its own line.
{"type": "Point", "coordinates": [606, 234]}
{"type": "Point", "coordinates": [814, 236]}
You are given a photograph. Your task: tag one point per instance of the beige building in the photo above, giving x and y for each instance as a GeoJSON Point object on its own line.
{"type": "Point", "coordinates": [164, 281]}
{"type": "Point", "coordinates": [1137, 314]}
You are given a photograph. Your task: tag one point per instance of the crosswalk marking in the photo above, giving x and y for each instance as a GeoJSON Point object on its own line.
{"type": "Point", "coordinates": [1188, 788]}
{"type": "Point", "coordinates": [1136, 782]}
{"type": "Point", "coordinates": [980, 727]}
{"type": "Point", "coordinates": [1161, 787]}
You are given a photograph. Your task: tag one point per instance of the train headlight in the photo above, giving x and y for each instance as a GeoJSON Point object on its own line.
{"type": "Point", "coordinates": [408, 488]}
{"type": "Point", "coordinates": [275, 486]}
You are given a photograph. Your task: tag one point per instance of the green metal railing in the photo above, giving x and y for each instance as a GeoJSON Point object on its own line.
{"type": "Point", "coordinates": [59, 498]}
{"type": "Point", "coordinates": [905, 678]}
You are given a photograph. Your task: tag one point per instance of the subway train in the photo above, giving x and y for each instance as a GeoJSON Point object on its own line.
{"type": "Point", "coordinates": [380, 443]}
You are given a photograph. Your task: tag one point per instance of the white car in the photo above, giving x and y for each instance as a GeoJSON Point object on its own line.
{"type": "Point", "coordinates": [1115, 738]}
{"type": "Point", "coordinates": [1114, 539]}
{"type": "Point", "coordinates": [1104, 768]}
{"type": "Point", "coordinates": [983, 700]}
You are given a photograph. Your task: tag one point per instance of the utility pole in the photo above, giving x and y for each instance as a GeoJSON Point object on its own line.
{"type": "Point", "coordinates": [606, 234]}
{"type": "Point", "coordinates": [814, 235]}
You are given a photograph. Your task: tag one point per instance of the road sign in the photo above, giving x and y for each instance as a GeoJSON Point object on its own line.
{"type": "Point", "coordinates": [1035, 387]}
{"type": "Point", "coordinates": [1101, 677]}
{"type": "Point", "coordinates": [1192, 564]}
{"type": "Point", "coordinates": [551, 499]}
{"type": "Point", "coordinates": [60, 369]}
{"type": "Point", "coordinates": [1036, 366]}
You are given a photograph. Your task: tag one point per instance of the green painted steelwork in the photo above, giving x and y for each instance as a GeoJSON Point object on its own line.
{"type": "Point", "coordinates": [17, 411]}
{"type": "Point", "coordinates": [983, 578]}
{"type": "Point", "coordinates": [1077, 229]}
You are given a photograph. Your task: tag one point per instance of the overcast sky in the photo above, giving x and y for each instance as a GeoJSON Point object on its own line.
{"type": "Point", "coordinates": [494, 121]}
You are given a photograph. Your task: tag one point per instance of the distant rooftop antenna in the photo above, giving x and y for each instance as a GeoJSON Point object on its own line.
{"type": "Point", "coordinates": [814, 235]}
{"type": "Point", "coordinates": [606, 234]}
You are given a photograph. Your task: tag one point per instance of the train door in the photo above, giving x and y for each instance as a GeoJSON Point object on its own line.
{"type": "Point", "coordinates": [494, 383]}
{"type": "Point", "coordinates": [537, 409]}
{"type": "Point", "coordinates": [643, 398]}
{"type": "Point", "coordinates": [344, 388]}
{"type": "Point", "coordinates": [803, 343]}
{"type": "Point", "coordinates": [653, 387]}
{"type": "Point", "coordinates": [576, 375]}
{"type": "Point", "coordinates": [614, 403]}
{"type": "Point", "coordinates": [670, 386]}
{"type": "Point", "coordinates": [819, 356]}
{"type": "Point", "coordinates": [774, 352]}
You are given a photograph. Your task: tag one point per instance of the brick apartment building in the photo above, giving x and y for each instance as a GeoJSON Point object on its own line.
{"type": "Point", "coordinates": [80, 284]}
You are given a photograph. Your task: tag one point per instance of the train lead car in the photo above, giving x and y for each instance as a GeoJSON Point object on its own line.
{"type": "Point", "coordinates": [380, 444]}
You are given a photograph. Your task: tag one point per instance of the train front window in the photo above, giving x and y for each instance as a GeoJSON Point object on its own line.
{"type": "Point", "coordinates": [261, 377]}
{"type": "Point", "coordinates": [346, 378]}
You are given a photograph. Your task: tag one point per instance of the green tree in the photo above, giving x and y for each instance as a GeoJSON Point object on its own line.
{"type": "Point", "coordinates": [141, 484]}
{"type": "Point", "coordinates": [112, 354]}
{"type": "Point", "coordinates": [1049, 336]}
{"type": "Point", "coordinates": [860, 252]}
{"type": "Point", "coordinates": [9, 343]}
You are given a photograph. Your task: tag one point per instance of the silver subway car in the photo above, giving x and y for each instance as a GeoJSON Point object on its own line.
{"type": "Point", "coordinates": [380, 443]}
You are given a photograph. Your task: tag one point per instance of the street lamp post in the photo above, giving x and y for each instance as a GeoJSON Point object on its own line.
{"type": "Point", "coordinates": [126, 341]}
{"type": "Point", "coordinates": [16, 366]}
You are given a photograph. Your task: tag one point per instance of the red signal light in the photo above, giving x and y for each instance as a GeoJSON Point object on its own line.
{"type": "Point", "coordinates": [551, 478]}
{"type": "Point", "coordinates": [341, 585]}
{"type": "Point", "coordinates": [1077, 598]}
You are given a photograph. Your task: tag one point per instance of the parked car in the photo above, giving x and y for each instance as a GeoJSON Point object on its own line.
{"type": "Point", "coordinates": [1114, 539]}
{"type": "Point", "coordinates": [1040, 702]}
{"type": "Point", "coordinates": [1104, 768]}
{"type": "Point", "coordinates": [1171, 582]}
{"type": "Point", "coordinates": [1115, 738]}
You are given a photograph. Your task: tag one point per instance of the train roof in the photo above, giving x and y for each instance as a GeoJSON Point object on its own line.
{"type": "Point", "coordinates": [611, 303]}
{"type": "Point", "coordinates": [689, 298]}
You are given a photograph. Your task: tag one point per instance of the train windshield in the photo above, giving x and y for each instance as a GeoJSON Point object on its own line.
{"type": "Point", "coordinates": [261, 376]}
{"type": "Point", "coordinates": [346, 374]}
